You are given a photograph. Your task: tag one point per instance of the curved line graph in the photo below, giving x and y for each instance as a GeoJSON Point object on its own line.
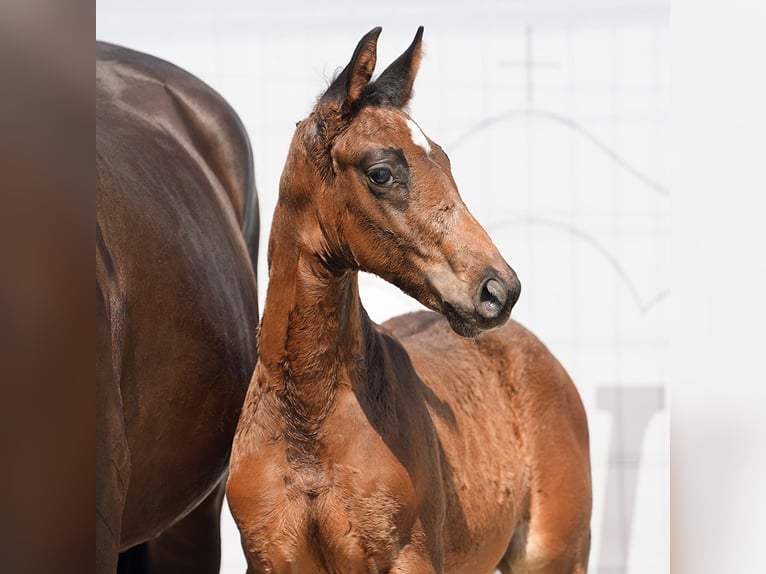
{"type": "Point", "coordinates": [573, 126]}
{"type": "Point", "coordinates": [644, 305]}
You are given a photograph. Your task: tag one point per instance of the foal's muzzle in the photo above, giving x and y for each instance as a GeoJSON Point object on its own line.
{"type": "Point", "coordinates": [488, 307]}
{"type": "Point", "coordinates": [495, 298]}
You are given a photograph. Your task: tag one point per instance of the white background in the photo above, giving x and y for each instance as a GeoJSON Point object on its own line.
{"type": "Point", "coordinates": [576, 193]}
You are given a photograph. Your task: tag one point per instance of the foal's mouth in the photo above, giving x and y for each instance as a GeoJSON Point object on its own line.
{"type": "Point", "coordinates": [462, 325]}
{"type": "Point", "coordinates": [470, 323]}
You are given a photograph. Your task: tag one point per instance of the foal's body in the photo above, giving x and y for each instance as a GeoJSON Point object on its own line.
{"type": "Point", "coordinates": [407, 447]}
{"type": "Point", "coordinates": [412, 457]}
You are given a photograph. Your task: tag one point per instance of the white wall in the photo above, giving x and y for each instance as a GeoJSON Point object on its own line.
{"type": "Point", "coordinates": [565, 165]}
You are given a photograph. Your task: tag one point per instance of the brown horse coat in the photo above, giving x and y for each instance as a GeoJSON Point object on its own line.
{"type": "Point", "coordinates": [409, 447]}
{"type": "Point", "coordinates": [176, 307]}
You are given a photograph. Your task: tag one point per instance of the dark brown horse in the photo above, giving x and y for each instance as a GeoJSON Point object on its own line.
{"type": "Point", "coordinates": [433, 443]}
{"type": "Point", "coordinates": [176, 310]}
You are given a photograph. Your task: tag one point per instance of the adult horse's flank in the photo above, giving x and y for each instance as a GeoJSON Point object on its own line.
{"type": "Point", "coordinates": [408, 447]}
{"type": "Point", "coordinates": [176, 310]}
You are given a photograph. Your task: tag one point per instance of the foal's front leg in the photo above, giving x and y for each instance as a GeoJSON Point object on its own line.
{"type": "Point", "coordinates": [415, 559]}
{"type": "Point", "coordinates": [413, 564]}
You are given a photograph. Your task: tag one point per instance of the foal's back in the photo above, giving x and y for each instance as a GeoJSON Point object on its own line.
{"type": "Point", "coordinates": [513, 435]}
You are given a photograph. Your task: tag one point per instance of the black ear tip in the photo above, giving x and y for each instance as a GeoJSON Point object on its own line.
{"type": "Point", "coordinates": [418, 38]}
{"type": "Point", "coordinates": [369, 38]}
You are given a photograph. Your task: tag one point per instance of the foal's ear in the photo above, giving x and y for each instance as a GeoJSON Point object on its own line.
{"type": "Point", "coordinates": [350, 83]}
{"type": "Point", "coordinates": [394, 85]}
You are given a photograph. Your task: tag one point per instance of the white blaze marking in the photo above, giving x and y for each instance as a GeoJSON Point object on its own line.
{"type": "Point", "coordinates": [418, 137]}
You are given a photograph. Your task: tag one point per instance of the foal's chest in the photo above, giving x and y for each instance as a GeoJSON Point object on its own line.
{"type": "Point", "coordinates": [339, 516]}
{"type": "Point", "coordinates": [348, 500]}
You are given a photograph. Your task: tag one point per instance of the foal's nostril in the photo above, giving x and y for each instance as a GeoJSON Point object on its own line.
{"type": "Point", "coordinates": [492, 298]}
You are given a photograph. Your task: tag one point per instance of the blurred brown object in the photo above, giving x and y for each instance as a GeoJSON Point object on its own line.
{"type": "Point", "coordinates": [46, 231]}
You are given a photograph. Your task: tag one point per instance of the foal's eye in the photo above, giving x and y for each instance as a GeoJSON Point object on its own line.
{"type": "Point", "coordinates": [380, 176]}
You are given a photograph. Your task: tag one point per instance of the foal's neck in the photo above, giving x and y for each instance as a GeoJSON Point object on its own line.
{"type": "Point", "coordinates": [312, 336]}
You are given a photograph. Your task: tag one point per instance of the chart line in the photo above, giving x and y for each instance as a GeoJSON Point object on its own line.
{"type": "Point", "coordinates": [618, 159]}
{"type": "Point", "coordinates": [644, 305]}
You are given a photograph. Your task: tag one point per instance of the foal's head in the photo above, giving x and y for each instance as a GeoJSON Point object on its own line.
{"type": "Point", "coordinates": [367, 189]}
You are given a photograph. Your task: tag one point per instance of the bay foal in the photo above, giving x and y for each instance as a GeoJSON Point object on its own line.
{"type": "Point", "coordinates": [410, 447]}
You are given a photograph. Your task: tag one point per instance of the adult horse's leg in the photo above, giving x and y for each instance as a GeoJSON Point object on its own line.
{"type": "Point", "coordinates": [112, 456]}
{"type": "Point", "coordinates": [134, 561]}
{"type": "Point", "coordinates": [192, 545]}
